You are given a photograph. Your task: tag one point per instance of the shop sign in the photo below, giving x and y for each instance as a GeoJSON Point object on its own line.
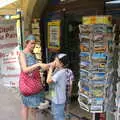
{"type": "Point", "coordinates": [9, 51]}
{"type": "Point", "coordinates": [87, 20]}
{"type": "Point", "coordinates": [54, 35]}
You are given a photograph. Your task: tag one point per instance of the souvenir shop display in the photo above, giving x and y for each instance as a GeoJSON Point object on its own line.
{"type": "Point", "coordinates": [96, 59]}
{"type": "Point", "coordinates": [117, 100]}
{"type": "Point", "coordinates": [37, 50]}
{"type": "Point", "coordinates": [119, 60]}
{"type": "Point", "coordinates": [36, 32]}
{"type": "Point", "coordinates": [117, 113]}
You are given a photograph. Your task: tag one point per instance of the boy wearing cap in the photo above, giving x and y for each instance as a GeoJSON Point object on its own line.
{"type": "Point", "coordinates": [58, 80]}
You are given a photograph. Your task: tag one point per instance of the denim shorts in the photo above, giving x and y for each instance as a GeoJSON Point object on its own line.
{"type": "Point", "coordinates": [33, 101]}
{"type": "Point", "coordinates": [58, 111]}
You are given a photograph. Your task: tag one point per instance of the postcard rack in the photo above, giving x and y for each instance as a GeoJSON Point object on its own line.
{"type": "Point", "coordinates": [96, 53]}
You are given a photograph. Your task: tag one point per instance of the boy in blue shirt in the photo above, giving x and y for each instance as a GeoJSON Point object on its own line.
{"type": "Point", "coordinates": [60, 80]}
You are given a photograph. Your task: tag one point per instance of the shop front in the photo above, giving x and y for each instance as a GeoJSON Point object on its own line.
{"type": "Point", "coordinates": [61, 25]}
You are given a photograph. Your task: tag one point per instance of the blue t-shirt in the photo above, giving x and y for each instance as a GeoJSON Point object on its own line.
{"type": "Point", "coordinates": [58, 91]}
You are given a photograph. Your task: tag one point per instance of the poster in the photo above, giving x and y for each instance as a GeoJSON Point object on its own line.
{"type": "Point", "coordinates": [54, 35]}
{"type": "Point", "coordinates": [9, 52]}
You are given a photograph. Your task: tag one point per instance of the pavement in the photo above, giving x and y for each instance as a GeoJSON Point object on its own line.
{"type": "Point", "coordinates": [10, 105]}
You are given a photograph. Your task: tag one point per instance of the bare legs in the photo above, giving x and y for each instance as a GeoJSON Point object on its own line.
{"type": "Point", "coordinates": [24, 112]}
{"type": "Point", "coordinates": [28, 113]}
{"type": "Point", "coordinates": [32, 113]}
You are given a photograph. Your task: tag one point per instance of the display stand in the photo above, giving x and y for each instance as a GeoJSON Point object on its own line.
{"type": "Point", "coordinates": [36, 33]}
{"type": "Point", "coordinates": [117, 113]}
{"type": "Point", "coordinates": [96, 53]}
{"type": "Point", "coordinates": [37, 50]}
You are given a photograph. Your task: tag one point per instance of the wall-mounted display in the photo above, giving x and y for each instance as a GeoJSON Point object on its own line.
{"type": "Point", "coordinates": [36, 33]}
{"type": "Point", "coordinates": [54, 35]}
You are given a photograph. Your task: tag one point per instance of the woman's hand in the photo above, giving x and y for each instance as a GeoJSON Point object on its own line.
{"type": "Point", "coordinates": [53, 64]}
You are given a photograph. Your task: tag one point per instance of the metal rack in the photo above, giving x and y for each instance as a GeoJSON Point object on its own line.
{"type": "Point", "coordinates": [98, 66]}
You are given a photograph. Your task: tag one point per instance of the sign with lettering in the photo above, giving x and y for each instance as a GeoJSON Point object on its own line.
{"type": "Point", "coordinates": [9, 51]}
{"type": "Point", "coordinates": [54, 35]}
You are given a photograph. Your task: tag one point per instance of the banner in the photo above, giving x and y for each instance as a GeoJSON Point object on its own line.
{"type": "Point", "coordinates": [88, 20]}
{"type": "Point", "coordinates": [9, 52]}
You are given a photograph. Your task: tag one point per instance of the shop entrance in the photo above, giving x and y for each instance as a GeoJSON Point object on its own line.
{"type": "Point", "coordinates": [70, 45]}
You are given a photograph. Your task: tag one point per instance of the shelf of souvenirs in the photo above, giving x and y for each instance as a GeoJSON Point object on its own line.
{"type": "Point", "coordinates": [83, 106]}
{"type": "Point", "coordinates": [83, 94]}
{"type": "Point", "coordinates": [94, 63]}
{"type": "Point", "coordinates": [93, 74]}
{"type": "Point", "coordinates": [99, 42]}
{"type": "Point", "coordinates": [94, 90]}
{"type": "Point", "coordinates": [38, 41]}
{"type": "Point", "coordinates": [97, 47]}
{"type": "Point", "coordinates": [38, 56]}
{"type": "Point", "coordinates": [35, 27]}
{"type": "Point", "coordinates": [94, 105]}
{"type": "Point", "coordinates": [96, 28]}
{"type": "Point", "coordinates": [36, 34]}
{"type": "Point", "coordinates": [35, 23]}
{"type": "Point", "coordinates": [37, 52]}
{"type": "Point", "coordinates": [94, 66]}
{"type": "Point", "coordinates": [37, 48]}
{"type": "Point", "coordinates": [35, 31]}
{"type": "Point", "coordinates": [83, 103]}
{"type": "Point", "coordinates": [92, 96]}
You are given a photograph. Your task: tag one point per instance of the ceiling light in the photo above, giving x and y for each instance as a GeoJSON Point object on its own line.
{"type": "Point", "coordinates": [113, 2]}
{"type": "Point", "coordinates": [62, 0]}
{"type": "Point", "coordinates": [7, 17]}
{"type": "Point", "coordinates": [4, 3]}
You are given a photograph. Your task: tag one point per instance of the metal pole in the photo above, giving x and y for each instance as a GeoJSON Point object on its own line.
{"type": "Point", "coordinates": [21, 31]}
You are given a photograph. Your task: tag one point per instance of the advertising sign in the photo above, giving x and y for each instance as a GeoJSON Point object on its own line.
{"type": "Point", "coordinates": [54, 35]}
{"type": "Point", "coordinates": [9, 51]}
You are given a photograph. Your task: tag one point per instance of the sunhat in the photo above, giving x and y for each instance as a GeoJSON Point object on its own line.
{"type": "Point", "coordinates": [30, 37]}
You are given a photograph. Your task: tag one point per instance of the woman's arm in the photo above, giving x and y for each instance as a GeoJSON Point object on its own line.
{"type": "Point", "coordinates": [44, 66]}
{"type": "Point", "coordinates": [24, 66]}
